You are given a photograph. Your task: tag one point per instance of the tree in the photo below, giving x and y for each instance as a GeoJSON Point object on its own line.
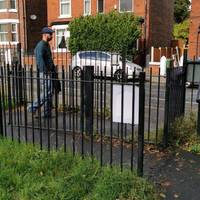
{"type": "Point", "coordinates": [181, 10]}
{"type": "Point", "coordinates": [114, 32]}
{"type": "Point", "coordinates": [181, 31]}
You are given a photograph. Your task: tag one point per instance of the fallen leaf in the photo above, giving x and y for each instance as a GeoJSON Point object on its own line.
{"type": "Point", "coordinates": [176, 196]}
{"type": "Point", "coordinates": [166, 183]}
{"type": "Point", "coordinates": [162, 195]}
{"type": "Point", "coordinates": [177, 169]}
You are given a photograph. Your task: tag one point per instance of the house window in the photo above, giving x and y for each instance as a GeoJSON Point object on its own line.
{"type": "Point", "coordinates": [4, 33]}
{"type": "Point", "coordinates": [2, 4]}
{"type": "Point", "coordinates": [100, 6]}
{"type": "Point", "coordinates": [65, 7]}
{"type": "Point", "coordinates": [61, 42]}
{"type": "Point", "coordinates": [14, 32]}
{"type": "Point", "coordinates": [8, 32]}
{"type": "Point", "coordinates": [126, 5]}
{"type": "Point", "coordinates": [87, 7]}
{"type": "Point", "coordinates": [12, 4]}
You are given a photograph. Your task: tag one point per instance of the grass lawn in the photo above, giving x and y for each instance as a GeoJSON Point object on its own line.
{"type": "Point", "coordinates": [26, 173]}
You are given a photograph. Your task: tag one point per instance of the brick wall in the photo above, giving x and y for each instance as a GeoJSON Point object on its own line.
{"type": "Point", "coordinates": [194, 24]}
{"type": "Point", "coordinates": [77, 9]}
{"type": "Point", "coordinates": [159, 21]}
{"type": "Point", "coordinates": [29, 30]}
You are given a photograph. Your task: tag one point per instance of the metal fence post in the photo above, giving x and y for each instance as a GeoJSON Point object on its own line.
{"type": "Point", "coordinates": [166, 115]}
{"type": "Point", "coordinates": [198, 120]}
{"type": "Point", "coordinates": [198, 117]}
{"type": "Point", "coordinates": [19, 74]}
{"type": "Point", "coordinates": [185, 66]}
{"type": "Point", "coordinates": [88, 97]}
{"type": "Point", "coordinates": [1, 118]}
{"type": "Point", "coordinates": [141, 124]}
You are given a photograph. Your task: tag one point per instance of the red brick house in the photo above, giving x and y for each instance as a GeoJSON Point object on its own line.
{"type": "Point", "coordinates": [21, 21]}
{"type": "Point", "coordinates": [194, 35]}
{"type": "Point", "coordinates": [158, 16]}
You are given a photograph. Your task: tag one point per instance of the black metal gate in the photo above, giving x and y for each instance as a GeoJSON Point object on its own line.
{"type": "Point", "coordinates": [174, 98]}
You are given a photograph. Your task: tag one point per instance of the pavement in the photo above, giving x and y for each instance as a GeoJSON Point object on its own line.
{"type": "Point", "coordinates": [175, 172]}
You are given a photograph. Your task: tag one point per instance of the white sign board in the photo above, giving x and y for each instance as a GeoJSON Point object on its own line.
{"type": "Point", "coordinates": [127, 105]}
{"type": "Point", "coordinates": [163, 66]}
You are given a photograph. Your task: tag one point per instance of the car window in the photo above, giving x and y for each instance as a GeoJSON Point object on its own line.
{"type": "Point", "coordinates": [103, 56]}
{"type": "Point", "coordinates": [88, 55]}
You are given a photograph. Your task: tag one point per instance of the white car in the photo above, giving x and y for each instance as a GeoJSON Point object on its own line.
{"type": "Point", "coordinates": [102, 61]}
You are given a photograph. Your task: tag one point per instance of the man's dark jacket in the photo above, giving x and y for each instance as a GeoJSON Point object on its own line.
{"type": "Point", "coordinates": [43, 56]}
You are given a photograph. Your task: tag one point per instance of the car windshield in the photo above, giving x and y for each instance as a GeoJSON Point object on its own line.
{"type": "Point", "coordinates": [95, 56]}
{"type": "Point", "coordinates": [103, 56]}
{"type": "Point", "coordinates": [88, 55]}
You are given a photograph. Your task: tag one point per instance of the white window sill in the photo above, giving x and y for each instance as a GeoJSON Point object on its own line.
{"type": "Point", "coordinates": [88, 14]}
{"type": "Point", "coordinates": [61, 51]}
{"type": "Point", "coordinates": [8, 10]}
{"type": "Point", "coordinates": [64, 16]}
{"type": "Point", "coordinates": [12, 10]}
{"type": "Point", "coordinates": [3, 10]}
{"type": "Point", "coordinates": [9, 43]}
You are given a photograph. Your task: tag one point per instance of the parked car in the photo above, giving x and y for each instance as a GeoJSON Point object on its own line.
{"type": "Point", "coordinates": [102, 61]}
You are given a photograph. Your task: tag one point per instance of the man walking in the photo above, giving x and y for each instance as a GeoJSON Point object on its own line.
{"type": "Point", "coordinates": [46, 67]}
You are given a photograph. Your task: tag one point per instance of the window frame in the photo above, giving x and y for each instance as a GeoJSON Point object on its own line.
{"type": "Point", "coordinates": [56, 28]}
{"type": "Point", "coordinates": [84, 7]}
{"type": "Point", "coordinates": [9, 9]}
{"type": "Point", "coordinates": [4, 33]}
{"type": "Point", "coordinates": [132, 9]}
{"type": "Point", "coordinates": [70, 9]}
{"type": "Point", "coordinates": [98, 6]}
{"type": "Point", "coordinates": [10, 22]}
{"type": "Point", "coordinates": [14, 32]}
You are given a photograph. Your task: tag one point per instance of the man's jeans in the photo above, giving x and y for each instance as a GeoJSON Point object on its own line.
{"type": "Point", "coordinates": [45, 96]}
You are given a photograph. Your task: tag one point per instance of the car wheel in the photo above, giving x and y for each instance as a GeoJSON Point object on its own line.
{"type": "Point", "coordinates": [77, 72]}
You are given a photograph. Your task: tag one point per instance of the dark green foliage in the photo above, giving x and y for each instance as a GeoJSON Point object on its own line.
{"type": "Point", "coordinates": [28, 173]}
{"type": "Point", "coordinates": [181, 10]}
{"type": "Point", "coordinates": [181, 31]}
{"type": "Point", "coordinates": [114, 32]}
{"type": "Point", "coordinates": [184, 129]}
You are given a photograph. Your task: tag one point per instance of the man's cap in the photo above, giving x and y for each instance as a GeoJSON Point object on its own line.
{"type": "Point", "coordinates": [47, 30]}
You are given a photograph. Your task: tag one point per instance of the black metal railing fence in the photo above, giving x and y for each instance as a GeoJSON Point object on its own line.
{"type": "Point", "coordinates": [82, 118]}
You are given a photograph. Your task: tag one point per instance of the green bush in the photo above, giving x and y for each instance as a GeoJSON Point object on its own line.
{"type": "Point", "coordinates": [181, 31]}
{"type": "Point", "coordinates": [195, 148]}
{"type": "Point", "coordinates": [183, 130]}
{"type": "Point", "coordinates": [114, 32]}
{"type": "Point", "coordinates": [28, 173]}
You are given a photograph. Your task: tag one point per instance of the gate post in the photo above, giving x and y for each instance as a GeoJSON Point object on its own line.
{"type": "Point", "coordinates": [88, 74]}
{"type": "Point", "coordinates": [141, 124]}
{"type": "Point", "coordinates": [174, 98]}
{"type": "Point", "coordinates": [166, 115]}
{"type": "Point", "coordinates": [1, 118]}
{"type": "Point", "coordinates": [185, 66]}
{"type": "Point", "coordinates": [19, 75]}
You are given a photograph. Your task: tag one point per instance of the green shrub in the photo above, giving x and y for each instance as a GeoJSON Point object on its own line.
{"type": "Point", "coordinates": [181, 31]}
{"type": "Point", "coordinates": [183, 130]}
{"type": "Point", "coordinates": [114, 32]}
{"type": "Point", "coordinates": [195, 148]}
